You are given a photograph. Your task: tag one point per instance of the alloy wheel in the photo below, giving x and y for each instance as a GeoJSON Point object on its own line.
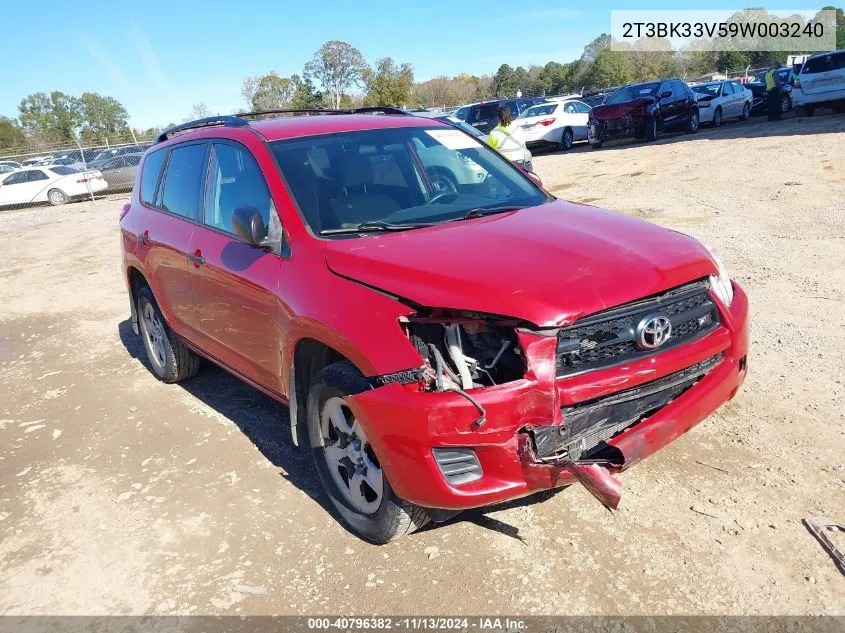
{"type": "Point", "coordinates": [350, 458]}
{"type": "Point", "coordinates": [154, 337]}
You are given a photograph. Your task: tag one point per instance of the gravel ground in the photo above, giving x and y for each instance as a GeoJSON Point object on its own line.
{"type": "Point", "coordinates": [121, 495]}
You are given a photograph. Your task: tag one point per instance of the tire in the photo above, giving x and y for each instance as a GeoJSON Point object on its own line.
{"type": "Point", "coordinates": [717, 117]}
{"type": "Point", "coordinates": [170, 359]}
{"type": "Point", "coordinates": [785, 104]}
{"type": "Point", "coordinates": [650, 128]}
{"type": "Point", "coordinates": [746, 112]}
{"type": "Point", "coordinates": [565, 140]}
{"type": "Point", "coordinates": [378, 517]}
{"type": "Point", "coordinates": [692, 125]}
{"type": "Point", "coordinates": [57, 197]}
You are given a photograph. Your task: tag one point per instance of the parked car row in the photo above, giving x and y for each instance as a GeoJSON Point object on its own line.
{"type": "Point", "coordinates": [645, 110]}
{"type": "Point", "coordinates": [63, 176]}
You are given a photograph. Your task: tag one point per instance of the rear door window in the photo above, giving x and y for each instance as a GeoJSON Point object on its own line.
{"type": "Point", "coordinates": [35, 175]}
{"type": "Point", "coordinates": [149, 176]}
{"type": "Point", "coordinates": [183, 181]}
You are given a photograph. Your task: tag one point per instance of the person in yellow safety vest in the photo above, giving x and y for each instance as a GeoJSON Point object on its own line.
{"type": "Point", "coordinates": [508, 137]}
{"type": "Point", "coordinates": [774, 92]}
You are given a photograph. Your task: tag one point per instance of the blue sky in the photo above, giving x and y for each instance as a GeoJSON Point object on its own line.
{"type": "Point", "coordinates": [159, 57]}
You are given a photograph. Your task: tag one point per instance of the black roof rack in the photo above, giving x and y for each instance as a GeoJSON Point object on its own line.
{"type": "Point", "coordinates": [239, 120]}
{"type": "Point", "coordinates": [228, 121]}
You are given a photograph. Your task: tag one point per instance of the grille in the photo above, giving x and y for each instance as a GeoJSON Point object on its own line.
{"type": "Point", "coordinates": [458, 465]}
{"type": "Point", "coordinates": [609, 338]}
{"type": "Point", "coordinates": [587, 425]}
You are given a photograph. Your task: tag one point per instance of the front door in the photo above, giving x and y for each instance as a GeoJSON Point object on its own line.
{"type": "Point", "coordinates": [234, 284]}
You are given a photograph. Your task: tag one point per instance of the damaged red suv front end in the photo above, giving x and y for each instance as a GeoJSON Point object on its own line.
{"type": "Point", "coordinates": [652, 352]}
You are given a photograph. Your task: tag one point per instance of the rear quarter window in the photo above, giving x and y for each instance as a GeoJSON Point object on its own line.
{"type": "Point", "coordinates": [149, 176]}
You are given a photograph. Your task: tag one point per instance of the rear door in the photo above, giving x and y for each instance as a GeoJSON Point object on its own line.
{"type": "Point", "coordinates": [172, 185]}
{"type": "Point", "coordinates": [234, 283]}
{"type": "Point", "coordinates": [823, 75]}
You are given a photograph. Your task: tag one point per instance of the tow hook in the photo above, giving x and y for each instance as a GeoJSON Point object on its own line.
{"type": "Point", "coordinates": [599, 482]}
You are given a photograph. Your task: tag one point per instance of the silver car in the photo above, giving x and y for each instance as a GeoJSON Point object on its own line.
{"type": "Point", "coordinates": [119, 171]}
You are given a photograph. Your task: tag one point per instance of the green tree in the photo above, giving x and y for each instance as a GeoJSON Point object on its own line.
{"type": "Point", "coordinates": [338, 66]}
{"type": "Point", "coordinates": [55, 116]}
{"type": "Point", "coordinates": [611, 68]}
{"type": "Point", "coordinates": [102, 116]}
{"type": "Point", "coordinates": [268, 92]}
{"type": "Point", "coordinates": [11, 134]}
{"type": "Point", "coordinates": [840, 26]}
{"type": "Point", "coordinates": [504, 82]}
{"type": "Point", "coordinates": [388, 84]}
{"type": "Point", "coordinates": [304, 95]}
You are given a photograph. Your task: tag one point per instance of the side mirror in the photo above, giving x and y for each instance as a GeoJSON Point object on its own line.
{"type": "Point", "coordinates": [248, 225]}
{"type": "Point", "coordinates": [665, 94]}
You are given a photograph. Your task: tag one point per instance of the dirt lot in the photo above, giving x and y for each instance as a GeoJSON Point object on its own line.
{"type": "Point", "coordinates": [122, 495]}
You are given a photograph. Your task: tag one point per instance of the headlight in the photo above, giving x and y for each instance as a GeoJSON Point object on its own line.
{"type": "Point", "coordinates": [721, 283]}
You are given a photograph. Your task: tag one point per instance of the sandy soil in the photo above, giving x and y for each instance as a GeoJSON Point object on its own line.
{"type": "Point", "coordinates": [121, 495]}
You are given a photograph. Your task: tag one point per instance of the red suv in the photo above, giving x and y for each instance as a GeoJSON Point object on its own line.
{"type": "Point", "coordinates": [447, 334]}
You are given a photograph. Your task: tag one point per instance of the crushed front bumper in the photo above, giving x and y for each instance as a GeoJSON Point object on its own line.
{"type": "Point", "coordinates": [405, 425]}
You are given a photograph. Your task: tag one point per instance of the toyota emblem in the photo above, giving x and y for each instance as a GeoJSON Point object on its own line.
{"type": "Point", "coordinates": [653, 331]}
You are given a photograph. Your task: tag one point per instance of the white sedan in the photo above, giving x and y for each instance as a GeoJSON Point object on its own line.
{"type": "Point", "coordinates": [56, 185]}
{"type": "Point", "coordinates": [556, 123]}
{"type": "Point", "coordinates": [720, 100]}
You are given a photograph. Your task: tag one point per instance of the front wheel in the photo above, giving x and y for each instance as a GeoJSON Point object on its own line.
{"type": "Point", "coordinates": [785, 104]}
{"type": "Point", "coordinates": [717, 117]}
{"type": "Point", "coordinates": [57, 197]}
{"type": "Point", "coordinates": [650, 128]}
{"type": "Point", "coordinates": [692, 126]}
{"type": "Point", "coordinates": [347, 464]}
{"type": "Point", "coordinates": [746, 111]}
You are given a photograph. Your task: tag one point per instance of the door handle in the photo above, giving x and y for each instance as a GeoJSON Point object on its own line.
{"type": "Point", "coordinates": [197, 258]}
{"type": "Point", "coordinates": [144, 237]}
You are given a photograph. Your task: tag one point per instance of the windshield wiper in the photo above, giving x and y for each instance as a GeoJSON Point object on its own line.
{"type": "Point", "coordinates": [482, 211]}
{"type": "Point", "coordinates": [373, 226]}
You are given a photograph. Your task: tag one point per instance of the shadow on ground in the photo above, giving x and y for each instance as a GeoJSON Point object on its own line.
{"type": "Point", "coordinates": [266, 423]}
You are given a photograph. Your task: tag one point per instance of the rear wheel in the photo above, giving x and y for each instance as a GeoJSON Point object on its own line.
{"type": "Point", "coordinates": [717, 117]}
{"type": "Point", "coordinates": [692, 126]}
{"type": "Point", "coordinates": [346, 462]}
{"type": "Point", "coordinates": [170, 359]}
{"type": "Point", "coordinates": [746, 111]}
{"type": "Point", "coordinates": [57, 197]}
{"type": "Point", "coordinates": [566, 140]}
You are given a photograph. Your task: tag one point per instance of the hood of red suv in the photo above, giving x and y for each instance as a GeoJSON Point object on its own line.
{"type": "Point", "coordinates": [608, 112]}
{"type": "Point", "coordinates": [547, 265]}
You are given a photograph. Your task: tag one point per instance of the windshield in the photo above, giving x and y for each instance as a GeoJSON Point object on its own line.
{"type": "Point", "coordinates": [540, 110]}
{"type": "Point", "coordinates": [707, 89]}
{"type": "Point", "coordinates": [629, 93]}
{"type": "Point", "coordinates": [398, 176]}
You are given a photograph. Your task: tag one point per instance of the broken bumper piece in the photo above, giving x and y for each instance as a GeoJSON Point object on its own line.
{"type": "Point", "coordinates": [611, 419]}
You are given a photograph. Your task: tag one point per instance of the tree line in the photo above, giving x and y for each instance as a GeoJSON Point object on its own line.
{"type": "Point", "coordinates": [338, 76]}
